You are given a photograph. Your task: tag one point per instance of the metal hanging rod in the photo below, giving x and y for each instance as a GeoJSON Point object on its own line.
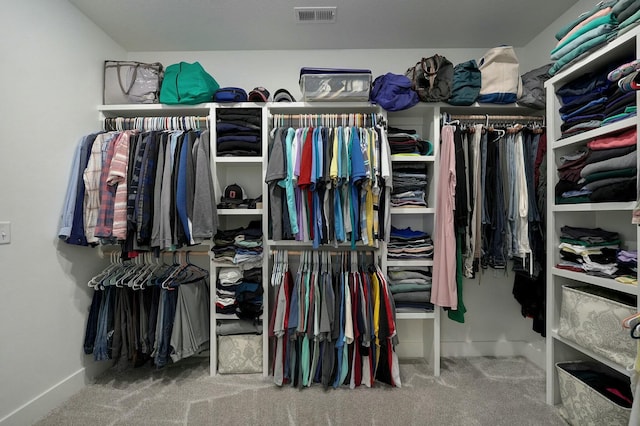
{"type": "Point", "coordinates": [156, 123]}
{"type": "Point", "coordinates": [327, 119]}
{"type": "Point", "coordinates": [490, 117]}
{"type": "Point", "coordinates": [333, 252]}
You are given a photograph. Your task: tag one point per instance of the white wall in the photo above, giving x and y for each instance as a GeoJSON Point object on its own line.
{"type": "Point", "coordinates": [50, 84]}
{"type": "Point", "coordinates": [538, 50]}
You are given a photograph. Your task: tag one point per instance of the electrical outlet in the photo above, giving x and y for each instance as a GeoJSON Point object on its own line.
{"type": "Point", "coordinates": [5, 232]}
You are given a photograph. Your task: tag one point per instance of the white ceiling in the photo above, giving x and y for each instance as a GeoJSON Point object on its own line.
{"type": "Point", "coordinates": [192, 25]}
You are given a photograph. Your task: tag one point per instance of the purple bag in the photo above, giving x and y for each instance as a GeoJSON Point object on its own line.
{"type": "Point", "coordinates": [393, 92]}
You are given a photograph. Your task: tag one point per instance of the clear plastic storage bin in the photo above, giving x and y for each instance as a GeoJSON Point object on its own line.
{"type": "Point", "coordinates": [335, 87]}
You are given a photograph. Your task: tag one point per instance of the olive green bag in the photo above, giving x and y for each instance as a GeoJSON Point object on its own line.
{"type": "Point", "coordinates": [186, 83]}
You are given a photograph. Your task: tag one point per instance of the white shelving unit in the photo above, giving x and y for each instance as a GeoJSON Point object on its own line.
{"type": "Point", "coordinates": [247, 172]}
{"type": "Point", "coordinates": [420, 332]}
{"type": "Point", "coordinates": [424, 119]}
{"type": "Point", "coordinates": [609, 216]}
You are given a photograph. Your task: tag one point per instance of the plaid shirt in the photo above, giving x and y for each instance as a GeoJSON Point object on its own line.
{"type": "Point", "coordinates": [92, 179]}
{"type": "Point", "coordinates": [107, 193]}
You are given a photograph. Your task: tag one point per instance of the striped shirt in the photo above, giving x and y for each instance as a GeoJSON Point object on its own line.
{"type": "Point", "coordinates": [107, 194]}
{"type": "Point", "coordinates": [118, 178]}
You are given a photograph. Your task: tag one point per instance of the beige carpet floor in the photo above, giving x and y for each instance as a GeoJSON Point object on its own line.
{"type": "Point", "coordinates": [470, 391]}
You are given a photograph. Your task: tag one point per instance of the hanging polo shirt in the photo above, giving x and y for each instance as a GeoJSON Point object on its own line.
{"type": "Point", "coordinates": [274, 178]}
{"type": "Point", "coordinates": [289, 182]}
{"type": "Point", "coordinates": [304, 182]}
{"type": "Point", "coordinates": [358, 175]}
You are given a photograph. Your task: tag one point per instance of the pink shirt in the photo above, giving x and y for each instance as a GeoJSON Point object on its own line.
{"type": "Point", "coordinates": [444, 291]}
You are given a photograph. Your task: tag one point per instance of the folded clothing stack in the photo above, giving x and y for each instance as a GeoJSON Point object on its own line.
{"type": "Point", "coordinates": [407, 142]}
{"type": "Point", "coordinates": [590, 250]}
{"type": "Point", "coordinates": [239, 132]}
{"type": "Point", "coordinates": [588, 32]}
{"type": "Point", "coordinates": [410, 288]}
{"type": "Point", "coordinates": [409, 186]}
{"type": "Point", "coordinates": [240, 246]}
{"type": "Point", "coordinates": [604, 172]}
{"type": "Point", "coordinates": [627, 263]}
{"type": "Point", "coordinates": [585, 102]}
{"type": "Point", "coordinates": [409, 244]}
{"type": "Point", "coordinates": [239, 292]}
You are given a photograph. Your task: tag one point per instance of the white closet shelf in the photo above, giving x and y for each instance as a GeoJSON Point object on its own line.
{"type": "Point", "coordinates": [410, 263]}
{"type": "Point", "coordinates": [239, 160]}
{"type": "Point", "coordinates": [334, 107]}
{"type": "Point", "coordinates": [284, 244]}
{"type": "Point", "coordinates": [229, 317]}
{"type": "Point", "coordinates": [240, 212]}
{"type": "Point", "coordinates": [412, 210]}
{"type": "Point", "coordinates": [150, 110]}
{"type": "Point", "coordinates": [495, 109]}
{"type": "Point", "coordinates": [597, 281]}
{"type": "Point", "coordinates": [259, 105]}
{"type": "Point", "coordinates": [412, 158]}
{"type": "Point", "coordinates": [595, 207]}
{"type": "Point", "coordinates": [582, 138]}
{"type": "Point", "coordinates": [400, 315]}
{"type": "Point", "coordinates": [590, 354]}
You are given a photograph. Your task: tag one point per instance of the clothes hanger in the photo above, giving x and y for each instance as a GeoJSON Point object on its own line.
{"type": "Point", "coordinates": [631, 321]}
{"type": "Point", "coordinates": [635, 331]}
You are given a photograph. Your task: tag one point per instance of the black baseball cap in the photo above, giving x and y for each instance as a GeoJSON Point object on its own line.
{"type": "Point", "coordinates": [233, 194]}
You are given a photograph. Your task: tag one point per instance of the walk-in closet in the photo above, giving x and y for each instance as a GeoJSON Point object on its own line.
{"type": "Point", "coordinates": [363, 213]}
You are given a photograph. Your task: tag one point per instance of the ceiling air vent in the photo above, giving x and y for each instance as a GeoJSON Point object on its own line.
{"type": "Point", "coordinates": [315, 14]}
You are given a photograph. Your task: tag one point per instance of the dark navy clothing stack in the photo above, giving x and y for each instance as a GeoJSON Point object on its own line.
{"type": "Point", "coordinates": [584, 102]}
{"type": "Point", "coordinates": [407, 141]}
{"type": "Point", "coordinates": [408, 244]}
{"type": "Point", "coordinates": [239, 132]}
{"type": "Point", "coordinates": [592, 101]}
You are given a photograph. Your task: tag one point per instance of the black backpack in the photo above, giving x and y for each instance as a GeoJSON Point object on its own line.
{"type": "Point", "coordinates": [432, 78]}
